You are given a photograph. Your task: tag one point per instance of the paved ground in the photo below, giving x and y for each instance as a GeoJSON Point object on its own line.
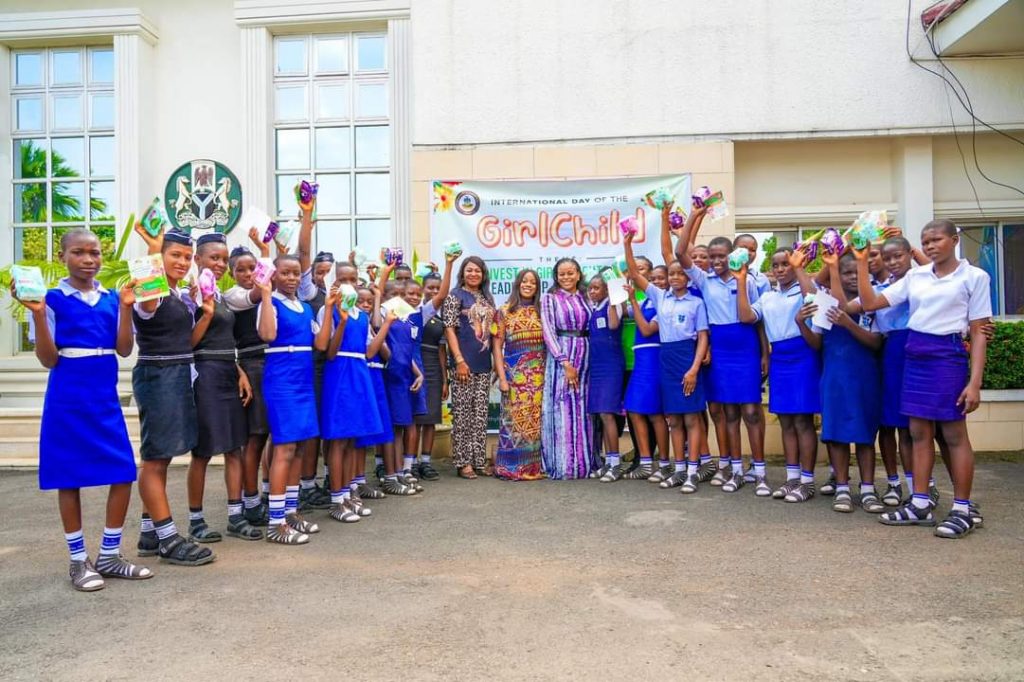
{"type": "Point", "coordinates": [572, 580]}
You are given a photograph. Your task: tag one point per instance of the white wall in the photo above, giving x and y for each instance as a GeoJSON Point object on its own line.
{"type": "Point", "coordinates": [528, 70]}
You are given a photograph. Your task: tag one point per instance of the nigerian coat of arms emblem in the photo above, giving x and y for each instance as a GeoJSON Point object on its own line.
{"type": "Point", "coordinates": [203, 195]}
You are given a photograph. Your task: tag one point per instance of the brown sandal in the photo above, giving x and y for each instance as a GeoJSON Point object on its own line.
{"type": "Point", "coordinates": [467, 472]}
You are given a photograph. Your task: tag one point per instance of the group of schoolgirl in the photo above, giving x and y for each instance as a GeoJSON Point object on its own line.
{"type": "Point", "coordinates": [224, 374]}
{"type": "Point", "coordinates": [891, 366]}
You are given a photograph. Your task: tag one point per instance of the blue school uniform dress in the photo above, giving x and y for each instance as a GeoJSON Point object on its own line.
{"type": "Point", "coordinates": [375, 365]}
{"type": "Point", "coordinates": [348, 408]}
{"type": "Point", "coordinates": [734, 375]}
{"type": "Point", "coordinates": [607, 364]}
{"type": "Point", "coordinates": [640, 396]}
{"type": "Point", "coordinates": [83, 440]}
{"type": "Point", "coordinates": [288, 373]}
{"type": "Point", "coordinates": [162, 378]}
{"type": "Point", "coordinates": [680, 320]}
{"type": "Point", "coordinates": [404, 338]}
{"type": "Point", "coordinates": [850, 382]}
{"type": "Point", "coordinates": [892, 322]}
{"type": "Point", "coordinates": [794, 372]}
{"type": "Point", "coordinates": [219, 411]}
{"type": "Point", "coordinates": [936, 369]}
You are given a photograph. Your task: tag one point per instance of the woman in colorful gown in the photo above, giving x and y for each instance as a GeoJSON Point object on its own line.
{"type": "Point", "coordinates": [519, 356]}
{"type": "Point", "coordinates": [567, 437]}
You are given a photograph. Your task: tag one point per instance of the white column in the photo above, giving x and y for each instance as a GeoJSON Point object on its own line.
{"type": "Point", "coordinates": [127, 127]}
{"type": "Point", "coordinates": [914, 186]}
{"type": "Point", "coordinates": [400, 66]}
{"type": "Point", "coordinates": [256, 174]}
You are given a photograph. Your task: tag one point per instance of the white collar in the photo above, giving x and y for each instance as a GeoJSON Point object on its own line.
{"type": "Point", "coordinates": [64, 285]}
{"type": "Point", "coordinates": [602, 305]}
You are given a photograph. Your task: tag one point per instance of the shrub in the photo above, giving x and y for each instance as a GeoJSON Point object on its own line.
{"type": "Point", "coordinates": [1004, 360]}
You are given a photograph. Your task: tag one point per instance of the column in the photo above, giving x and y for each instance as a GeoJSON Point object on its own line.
{"type": "Point", "coordinates": [256, 175]}
{"type": "Point", "coordinates": [127, 127]}
{"type": "Point", "coordinates": [400, 82]}
{"type": "Point", "coordinates": [913, 184]}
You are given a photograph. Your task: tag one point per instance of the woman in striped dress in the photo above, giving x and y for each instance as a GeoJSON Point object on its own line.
{"type": "Point", "coordinates": [566, 432]}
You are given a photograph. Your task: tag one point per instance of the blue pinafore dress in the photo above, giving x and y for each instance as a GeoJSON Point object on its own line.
{"type": "Point", "coordinates": [348, 408]}
{"type": "Point", "coordinates": [288, 377]}
{"type": "Point", "coordinates": [83, 439]}
{"type": "Point", "coordinates": [403, 341]}
{"type": "Point", "coordinates": [607, 364]}
{"type": "Point", "coordinates": [850, 385]}
{"type": "Point", "coordinates": [640, 398]}
{"type": "Point", "coordinates": [892, 322]}
{"type": "Point", "coordinates": [380, 398]}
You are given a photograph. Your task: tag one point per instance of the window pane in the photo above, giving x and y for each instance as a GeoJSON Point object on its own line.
{"type": "Point", "coordinates": [29, 159]}
{"type": "Point", "coordinates": [331, 54]}
{"type": "Point", "coordinates": [30, 203]}
{"type": "Point", "coordinates": [101, 110]}
{"type": "Point", "coordinates": [334, 236]}
{"type": "Point", "coordinates": [101, 156]}
{"type": "Point", "coordinates": [286, 205]}
{"type": "Point", "coordinates": [333, 148]}
{"type": "Point", "coordinates": [67, 157]}
{"type": "Point", "coordinates": [291, 56]}
{"type": "Point", "coordinates": [1013, 268]}
{"type": "Point", "coordinates": [371, 53]}
{"type": "Point", "coordinates": [67, 201]}
{"type": "Point", "coordinates": [978, 245]}
{"type": "Point", "coordinates": [291, 103]}
{"type": "Point", "coordinates": [30, 244]}
{"type": "Point", "coordinates": [333, 197]}
{"type": "Point", "coordinates": [332, 100]}
{"type": "Point", "coordinates": [372, 146]}
{"type": "Point", "coordinates": [108, 239]}
{"type": "Point", "coordinates": [67, 112]}
{"type": "Point", "coordinates": [67, 67]}
{"type": "Point", "coordinates": [373, 235]}
{"type": "Point", "coordinates": [373, 193]}
{"type": "Point", "coordinates": [28, 68]}
{"type": "Point", "coordinates": [101, 200]}
{"type": "Point", "coordinates": [371, 100]}
{"type": "Point", "coordinates": [101, 66]}
{"type": "Point", "coordinates": [29, 113]}
{"type": "Point", "coordinates": [293, 149]}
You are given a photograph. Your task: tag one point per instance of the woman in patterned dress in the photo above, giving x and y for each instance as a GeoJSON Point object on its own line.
{"type": "Point", "coordinates": [519, 357]}
{"type": "Point", "coordinates": [566, 432]}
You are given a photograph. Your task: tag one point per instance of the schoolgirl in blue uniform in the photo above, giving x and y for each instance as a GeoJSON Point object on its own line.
{"type": "Point", "coordinates": [941, 385]}
{"type": "Point", "coordinates": [734, 376]}
{"type": "Point", "coordinates": [220, 390]}
{"type": "Point", "coordinates": [77, 329]}
{"type": "Point", "coordinates": [683, 335]}
{"type": "Point", "coordinates": [607, 368]}
{"type": "Point", "coordinates": [346, 410]}
{"type": "Point", "coordinates": [794, 374]}
{"type": "Point", "coordinates": [286, 324]}
{"type": "Point", "coordinates": [162, 384]}
{"type": "Point", "coordinates": [850, 389]}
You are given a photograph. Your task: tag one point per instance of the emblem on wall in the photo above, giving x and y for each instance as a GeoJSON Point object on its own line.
{"type": "Point", "coordinates": [203, 195]}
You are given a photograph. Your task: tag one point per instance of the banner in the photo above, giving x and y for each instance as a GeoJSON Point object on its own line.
{"type": "Point", "coordinates": [515, 225]}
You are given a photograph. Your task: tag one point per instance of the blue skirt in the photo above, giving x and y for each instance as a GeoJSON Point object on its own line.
{"type": "Point", "coordinates": [794, 378]}
{"type": "Point", "coordinates": [850, 405]}
{"type": "Point", "coordinates": [167, 410]}
{"type": "Point", "coordinates": [676, 360]}
{"type": "Point", "coordinates": [84, 447]}
{"type": "Point", "coordinates": [403, 404]}
{"type": "Point", "coordinates": [348, 408]}
{"type": "Point", "coordinates": [640, 399]}
{"type": "Point", "coordinates": [934, 375]}
{"type": "Point", "coordinates": [893, 360]}
{"type": "Point", "coordinates": [735, 371]}
{"type": "Point", "coordinates": [380, 401]}
{"type": "Point", "coordinates": [291, 402]}
{"type": "Point", "coordinates": [606, 384]}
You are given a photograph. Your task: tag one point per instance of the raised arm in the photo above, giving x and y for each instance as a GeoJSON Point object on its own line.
{"type": "Point", "coordinates": [634, 273]}
{"type": "Point", "coordinates": [744, 310]}
{"type": "Point", "coordinates": [339, 334]}
{"type": "Point", "coordinates": [614, 316]}
{"type": "Point", "coordinates": [306, 236]}
{"type": "Point", "coordinates": [666, 235]}
{"type": "Point", "coordinates": [688, 235]}
{"type": "Point", "coordinates": [378, 292]}
{"type": "Point", "coordinates": [869, 300]}
{"type": "Point", "coordinates": [125, 327]}
{"type": "Point", "coordinates": [267, 326]}
{"type": "Point", "coordinates": [805, 313]}
{"type": "Point", "coordinates": [324, 338]}
{"type": "Point", "coordinates": [446, 281]}
{"type": "Point", "coordinates": [377, 344]}
{"type": "Point", "coordinates": [646, 327]}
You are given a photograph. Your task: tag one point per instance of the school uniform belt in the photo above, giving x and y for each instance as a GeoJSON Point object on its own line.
{"type": "Point", "coordinates": [425, 345]}
{"type": "Point", "coordinates": [375, 365]}
{"type": "Point", "coordinates": [215, 354]}
{"type": "Point", "coordinates": [84, 352]}
{"type": "Point", "coordinates": [578, 333]}
{"type": "Point", "coordinates": [646, 345]}
{"type": "Point", "coordinates": [166, 358]}
{"type": "Point", "coordinates": [251, 349]}
{"type": "Point", "coordinates": [289, 349]}
{"type": "Point", "coordinates": [351, 354]}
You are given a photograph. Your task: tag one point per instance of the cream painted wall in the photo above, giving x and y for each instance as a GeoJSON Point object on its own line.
{"type": "Point", "coordinates": [1001, 159]}
{"type": "Point", "coordinates": [534, 70]}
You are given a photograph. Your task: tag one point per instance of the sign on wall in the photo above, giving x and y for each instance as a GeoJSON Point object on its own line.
{"type": "Point", "coordinates": [514, 225]}
{"type": "Point", "coordinates": [203, 195]}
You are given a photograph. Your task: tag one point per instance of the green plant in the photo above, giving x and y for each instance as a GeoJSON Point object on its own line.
{"type": "Point", "coordinates": [1004, 359]}
{"type": "Point", "coordinates": [771, 245]}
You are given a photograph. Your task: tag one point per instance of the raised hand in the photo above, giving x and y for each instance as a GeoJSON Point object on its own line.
{"type": "Point", "coordinates": [33, 306]}
{"type": "Point", "coordinates": [154, 244]}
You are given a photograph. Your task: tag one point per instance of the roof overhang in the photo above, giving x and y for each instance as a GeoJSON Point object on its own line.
{"type": "Point", "coordinates": [981, 27]}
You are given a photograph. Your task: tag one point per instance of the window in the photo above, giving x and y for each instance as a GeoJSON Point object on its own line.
{"type": "Point", "coordinates": [63, 156]}
{"type": "Point", "coordinates": [998, 249]}
{"type": "Point", "coordinates": [332, 124]}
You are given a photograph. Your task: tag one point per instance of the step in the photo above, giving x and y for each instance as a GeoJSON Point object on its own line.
{"type": "Point", "coordinates": [23, 422]}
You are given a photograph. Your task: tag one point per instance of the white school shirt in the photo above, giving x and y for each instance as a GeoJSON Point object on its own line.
{"type": "Point", "coordinates": [719, 296]}
{"type": "Point", "coordinates": [90, 298]}
{"type": "Point", "coordinates": [321, 314]}
{"type": "Point", "coordinates": [238, 299]}
{"type": "Point", "coordinates": [680, 318]}
{"type": "Point", "coordinates": [761, 282]}
{"type": "Point", "coordinates": [180, 292]}
{"type": "Point", "coordinates": [307, 290]}
{"type": "Point", "coordinates": [778, 309]}
{"type": "Point", "coordinates": [943, 305]}
{"type": "Point", "coordinates": [290, 303]}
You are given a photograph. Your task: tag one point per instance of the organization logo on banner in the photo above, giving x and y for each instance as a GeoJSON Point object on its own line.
{"type": "Point", "coordinates": [203, 195]}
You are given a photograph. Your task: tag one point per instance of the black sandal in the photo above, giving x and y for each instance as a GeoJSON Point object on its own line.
{"type": "Point", "coordinates": [242, 529]}
{"type": "Point", "coordinates": [148, 545]}
{"type": "Point", "coordinates": [955, 526]}
{"type": "Point", "coordinates": [201, 532]}
{"type": "Point", "coordinates": [181, 552]}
